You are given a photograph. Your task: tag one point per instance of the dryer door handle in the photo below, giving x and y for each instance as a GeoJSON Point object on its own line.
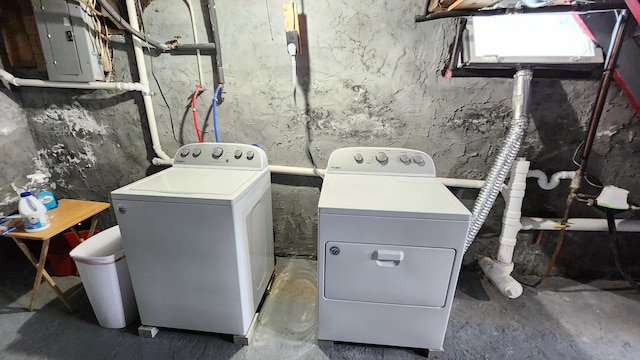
{"type": "Point", "coordinates": [389, 255]}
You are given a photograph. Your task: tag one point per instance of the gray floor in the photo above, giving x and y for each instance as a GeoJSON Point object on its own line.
{"type": "Point", "coordinates": [561, 319]}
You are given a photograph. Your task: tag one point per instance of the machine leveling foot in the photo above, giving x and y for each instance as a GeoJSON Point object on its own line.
{"type": "Point", "coordinates": [147, 331]}
{"type": "Point", "coordinates": [246, 338]}
{"type": "Point", "coordinates": [434, 353]}
{"type": "Point", "coordinates": [325, 343]}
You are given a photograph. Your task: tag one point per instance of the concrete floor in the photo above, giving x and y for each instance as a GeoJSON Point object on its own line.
{"type": "Point", "coordinates": [560, 319]}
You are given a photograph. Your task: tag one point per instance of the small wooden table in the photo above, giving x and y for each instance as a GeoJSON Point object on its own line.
{"type": "Point", "coordinates": [66, 216]}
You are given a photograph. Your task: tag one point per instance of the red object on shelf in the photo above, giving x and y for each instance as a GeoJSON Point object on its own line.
{"type": "Point", "coordinates": [61, 263]}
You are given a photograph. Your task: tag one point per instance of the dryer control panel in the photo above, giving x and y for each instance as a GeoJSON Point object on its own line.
{"type": "Point", "coordinates": [371, 160]}
{"type": "Point", "coordinates": [221, 155]}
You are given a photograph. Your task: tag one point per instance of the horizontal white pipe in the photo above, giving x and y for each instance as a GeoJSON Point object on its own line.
{"type": "Point", "coordinates": [462, 183]}
{"type": "Point", "coordinates": [303, 171]}
{"type": "Point", "coordinates": [93, 85]}
{"type": "Point", "coordinates": [577, 224]}
{"type": "Point", "coordinates": [549, 184]}
{"type": "Point", "coordinates": [295, 170]}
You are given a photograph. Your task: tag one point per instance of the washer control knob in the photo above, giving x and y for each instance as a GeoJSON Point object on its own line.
{"type": "Point", "coordinates": [196, 152]}
{"type": "Point", "coordinates": [405, 159]}
{"type": "Point", "coordinates": [237, 154]}
{"type": "Point", "coordinates": [418, 160]}
{"type": "Point", "coordinates": [184, 152]}
{"type": "Point", "coordinates": [358, 158]}
{"type": "Point", "coordinates": [382, 158]}
{"type": "Point", "coordinates": [217, 152]}
{"type": "Point", "coordinates": [250, 155]}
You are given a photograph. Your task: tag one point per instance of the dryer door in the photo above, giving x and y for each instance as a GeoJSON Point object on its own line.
{"type": "Point", "coordinates": [403, 275]}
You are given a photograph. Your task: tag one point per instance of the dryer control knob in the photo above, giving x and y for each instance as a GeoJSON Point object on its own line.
{"type": "Point", "coordinates": [217, 152]}
{"type": "Point", "coordinates": [237, 154]}
{"type": "Point", "coordinates": [184, 152]}
{"type": "Point", "coordinates": [382, 158]}
{"type": "Point", "coordinates": [418, 160]}
{"type": "Point", "coordinates": [405, 159]}
{"type": "Point", "coordinates": [196, 152]}
{"type": "Point", "coordinates": [250, 155]}
{"type": "Point", "coordinates": [358, 158]}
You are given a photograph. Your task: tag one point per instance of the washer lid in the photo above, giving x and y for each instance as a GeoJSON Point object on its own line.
{"type": "Point", "coordinates": [193, 183]}
{"type": "Point", "coordinates": [398, 196]}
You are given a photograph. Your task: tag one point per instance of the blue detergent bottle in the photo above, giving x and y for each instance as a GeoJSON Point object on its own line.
{"type": "Point", "coordinates": [45, 196]}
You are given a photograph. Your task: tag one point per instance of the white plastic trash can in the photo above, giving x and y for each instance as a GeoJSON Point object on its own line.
{"type": "Point", "coordinates": [104, 273]}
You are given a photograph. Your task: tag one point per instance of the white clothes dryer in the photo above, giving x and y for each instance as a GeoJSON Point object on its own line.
{"type": "Point", "coordinates": [390, 245]}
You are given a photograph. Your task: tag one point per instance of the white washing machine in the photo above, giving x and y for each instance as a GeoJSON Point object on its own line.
{"type": "Point", "coordinates": [198, 238]}
{"type": "Point", "coordinates": [390, 246]}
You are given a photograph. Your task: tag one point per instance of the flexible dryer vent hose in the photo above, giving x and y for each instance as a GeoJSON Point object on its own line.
{"type": "Point", "coordinates": [506, 156]}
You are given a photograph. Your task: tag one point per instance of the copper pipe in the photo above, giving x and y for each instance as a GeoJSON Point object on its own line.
{"type": "Point", "coordinates": [594, 121]}
{"type": "Point", "coordinates": [539, 237]}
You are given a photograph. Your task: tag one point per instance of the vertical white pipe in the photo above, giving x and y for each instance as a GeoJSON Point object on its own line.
{"type": "Point", "coordinates": [195, 41]}
{"type": "Point", "coordinates": [512, 212]}
{"type": "Point", "coordinates": [163, 158]}
{"type": "Point", "coordinates": [499, 271]}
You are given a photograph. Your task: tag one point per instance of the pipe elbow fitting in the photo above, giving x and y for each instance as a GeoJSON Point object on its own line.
{"type": "Point", "coordinates": [500, 276]}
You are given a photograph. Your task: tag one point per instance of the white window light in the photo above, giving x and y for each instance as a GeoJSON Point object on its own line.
{"type": "Point", "coordinates": [536, 38]}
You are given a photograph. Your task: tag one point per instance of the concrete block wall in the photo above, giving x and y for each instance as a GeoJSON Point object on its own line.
{"type": "Point", "coordinates": [368, 75]}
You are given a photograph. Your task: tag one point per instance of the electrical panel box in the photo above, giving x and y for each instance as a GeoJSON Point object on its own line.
{"type": "Point", "coordinates": [69, 43]}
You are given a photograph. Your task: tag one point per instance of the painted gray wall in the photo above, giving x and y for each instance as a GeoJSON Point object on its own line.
{"type": "Point", "coordinates": [369, 75]}
{"type": "Point", "coordinates": [17, 148]}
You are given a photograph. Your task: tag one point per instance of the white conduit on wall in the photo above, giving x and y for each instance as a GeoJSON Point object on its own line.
{"type": "Point", "coordinates": [163, 158]}
{"type": "Point", "coordinates": [93, 85]}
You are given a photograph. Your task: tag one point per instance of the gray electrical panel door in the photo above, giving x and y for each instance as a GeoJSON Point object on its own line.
{"type": "Point", "coordinates": [68, 42]}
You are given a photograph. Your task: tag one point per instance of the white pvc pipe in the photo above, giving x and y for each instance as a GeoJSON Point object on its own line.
{"type": "Point", "coordinates": [512, 210]}
{"type": "Point", "coordinates": [499, 271]}
{"type": "Point", "coordinates": [294, 170]}
{"type": "Point", "coordinates": [163, 158]}
{"type": "Point", "coordinates": [552, 183]}
{"type": "Point", "coordinates": [579, 224]}
{"type": "Point", "coordinates": [461, 183]}
{"type": "Point", "coordinates": [195, 41]}
{"type": "Point", "coordinates": [499, 275]}
{"type": "Point", "coordinates": [304, 171]}
{"type": "Point", "coordinates": [93, 85]}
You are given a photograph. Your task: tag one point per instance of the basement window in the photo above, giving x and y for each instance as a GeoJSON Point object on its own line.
{"type": "Point", "coordinates": [537, 41]}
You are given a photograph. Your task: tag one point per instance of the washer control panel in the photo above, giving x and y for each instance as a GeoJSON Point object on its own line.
{"type": "Point", "coordinates": [221, 154]}
{"type": "Point", "coordinates": [381, 160]}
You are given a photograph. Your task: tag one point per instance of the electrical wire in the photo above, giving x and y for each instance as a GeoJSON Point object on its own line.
{"type": "Point", "coordinates": [100, 38]}
{"type": "Point", "coordinates": [116, 17]}
{"type": "Point", "coordinates": [614, 245]}
{"type": "Point", "coordinates": [306, 123]}
{"type": "Point", "coordinates": [164, 98]}
{"type": "Point", "coordinates": [214, 113]}
{"type": "Point", "coordinates": [90, 7]}
{"type": "Point", "coordinates": [585, 176]}
{"type": "Point", "coordinates": [194, 102]}
{"type": "Point", "coordinates": [155, 78]}
{"type": "Point", "coordinates": [307, 127]}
